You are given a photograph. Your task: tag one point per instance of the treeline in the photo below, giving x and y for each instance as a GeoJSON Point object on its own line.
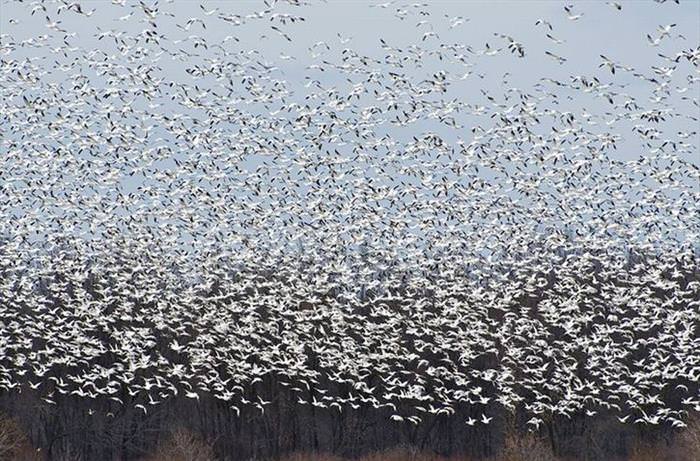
{"type": "Point", "coordinates": [126, 426]}
{"type": "Point", "coordinates": [77, 429]}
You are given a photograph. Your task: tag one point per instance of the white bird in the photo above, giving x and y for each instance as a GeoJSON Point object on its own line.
{"type": "Point", "coordinates": [545, 23]}
{"type": "Point", "coordinates": [559, 59]}
{"type": "Point", "coordinates": [570, 14]}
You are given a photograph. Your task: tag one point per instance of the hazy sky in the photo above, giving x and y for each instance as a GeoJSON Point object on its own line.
{"type": "Point", "coordinates": [333, 26]}
{"type": "Point", "coordinates": [619, 35]}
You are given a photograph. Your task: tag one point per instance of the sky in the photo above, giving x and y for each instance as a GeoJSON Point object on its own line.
{"type": "Point", "coordinates": [619, 35]}
{"type": "Point", "coordinates": [362, 26]}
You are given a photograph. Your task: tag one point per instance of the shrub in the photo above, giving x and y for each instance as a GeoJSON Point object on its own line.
{"type": "Point", "coordinates": [310, 457]}
{"type": "Point", "coordinates": [184, 445]}
{"type": "Point", "coordinates": [525, 447]}
{"type": "Point", "coordinates": [397, 454]}
{"type": "Point", "coordinates": [690, 440]}
{"type": "Point", "coordinates": [12, 438]}
{"type": "Point", "coordinates": [402, 454]}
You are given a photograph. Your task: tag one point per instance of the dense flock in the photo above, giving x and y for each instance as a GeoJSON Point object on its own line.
{"type": "Point", "coordinates": [194, 205]}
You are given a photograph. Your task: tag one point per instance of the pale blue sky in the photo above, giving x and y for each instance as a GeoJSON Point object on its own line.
{"type": "Point", "coordinates": [620, 35]}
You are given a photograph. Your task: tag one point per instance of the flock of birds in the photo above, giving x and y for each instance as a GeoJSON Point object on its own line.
{"type": "Point", "coordinates": [187, 215]}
